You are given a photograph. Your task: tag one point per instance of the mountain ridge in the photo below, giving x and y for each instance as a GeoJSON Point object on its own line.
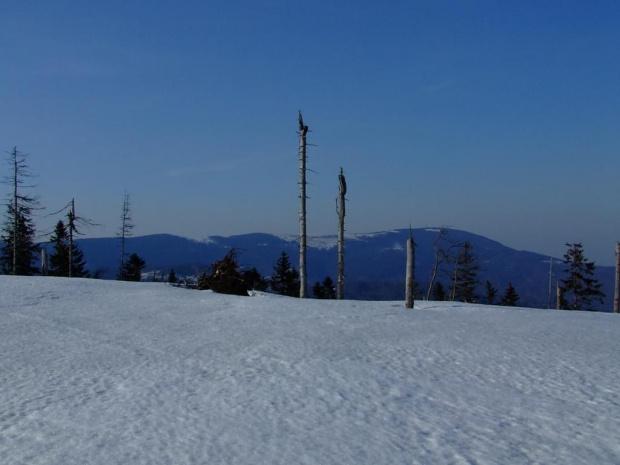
{"type": "Point", "coordinates": [374, 262]}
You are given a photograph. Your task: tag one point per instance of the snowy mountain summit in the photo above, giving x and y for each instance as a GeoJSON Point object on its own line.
{"type": "Point", "coordinates": [104, 372]}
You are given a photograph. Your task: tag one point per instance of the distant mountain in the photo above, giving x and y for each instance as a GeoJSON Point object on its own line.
{"type": "Point", "coordinates": [374, 263]}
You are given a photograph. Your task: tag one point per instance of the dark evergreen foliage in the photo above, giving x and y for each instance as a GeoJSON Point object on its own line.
{"type": "Point", "coordinates": [132, 269]}
{"type": "Point", "coordinates": [59, 259]}
{"type": "Point", "coordinates": [464, 277]}
{"type": "Point", "coordinates": [285, 278]}
{"type": "Point", "coordinates": [325, 290]}
{"type": "Point", "coordinates": [491, 293]}
{"type": "Point", "coordinates": [439, 293]}
{"type": "Point", "coordinates": [224, 277]}
{"type": "Point", "coordinates": [254, 280]}
{"type": "Point", "coordinates": [172, 277]}
{"type": "Point", "coordinates": [18, 231]}
{"type": "Point", "coordinates": [27, 250]}
{"type": "Point", "coordinates": [585, 289]}
{"type": "Point", "coordinates": [510, 297]}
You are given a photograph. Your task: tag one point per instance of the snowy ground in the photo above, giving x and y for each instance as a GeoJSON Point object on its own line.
{"type": "Point", "coordinates": [95, 372]}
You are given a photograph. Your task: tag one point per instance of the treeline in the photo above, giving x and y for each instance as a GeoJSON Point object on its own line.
{"type": "Point", "coordinates": [21, 252]}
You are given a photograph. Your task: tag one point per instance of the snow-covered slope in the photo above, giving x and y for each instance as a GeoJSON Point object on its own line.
{"type": "Point", "coordinates": [95, 372]}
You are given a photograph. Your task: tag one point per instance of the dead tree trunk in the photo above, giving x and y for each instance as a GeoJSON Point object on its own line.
{"type": "Point", "coordinates": [440, 255]}
{"type": "Point", "coordinates": [303, 280]}
{"type": "Point", "coordinates": [550, 280]}
{"type": "Point", "coordinates": [340, 209]}
{"type": "Point", "coordinates": [559, 297]}
{"type": "Point", "coordinates": [44, 269]}
{"type": "Point", "coordinates": [71, 216]}
{"type": "Point", "coordinates": [410, 275]}
{"type": "Point", "coordinates": [617, 287]}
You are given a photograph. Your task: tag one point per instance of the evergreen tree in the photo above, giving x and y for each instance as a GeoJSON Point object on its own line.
{"type": "Point", "coordinates": [317, 291]}
{"type": "Point", "coordinates": [580, 282]}
{"type": "Point", "coordinates": [254, 280]}
{"type": "Point", "coordinates": [59, 259]}
{"type": "Point", "coordinates": [325, 290]}
{"type": "Point", "coordinates": [510, 297]}
{"type": "Point", "coordinates": [491, 293]}
{"type": "Point", "coordinates": [19, 251]}
{"type": "Point", "coordinates": [224, 276]}
{"type": "Point", "coordinates": [172, 277]}
{"type": "Point", "coordinates": [132, 269]}
{"type": "Point", "coordinates": [439, 293]}
{"type": "Point", "coordinates": [464, 278]}
{"type": "Point", "coordinates": [285, 278]}
{"type": "Point", "coordinates": [18, 231]}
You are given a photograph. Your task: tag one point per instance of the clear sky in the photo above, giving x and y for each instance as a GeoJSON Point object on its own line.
{"type": "Point", "coordinates": [496, 117]}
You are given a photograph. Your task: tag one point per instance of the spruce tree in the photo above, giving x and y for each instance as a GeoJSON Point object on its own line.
{"type": "Point", "coordinates": [324, 290]}
{"type": "Point", "coordinates": [510, 297]}
{"type": "Point", "coordinates": [285, 278]}
{"type": "Point", "coordinates": [254, 280]}
{"type": "Point", "coordinates": [317, 291]}
{"type": "Point", "coordinates": [18, 231]}
{"type": "Point", "coordinates": [580, 282]}
{"type": "Point", "coordinates": [172, 277]}
{"type": "Point", "coordinates": [464, 278]}
{"type": "Point", "coordinates": [439, 293]}
{"type": "Point", "coordinates": [59, 259]}
{"type": "Point", "coordinates": [491, 293]}
{"type": "Point", "coordinates": [132, 269]}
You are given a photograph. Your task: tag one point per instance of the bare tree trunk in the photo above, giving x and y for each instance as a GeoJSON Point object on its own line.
{"type": "Point", "coordinates": [126, 227]}
{"type": "Point", "coordinates": [71, 228]}
{"type": "Point", "coordinates": [44, 270]}
{"type": "Point", "coordinates": [15, 208]}
{"type": "Point", "coordinates": [558, 297]}
{"type": "Point", "coordinates": [410, 276]}
{"type": "Point", "coordinates": [617, 287]}
{"type": "Point", "coordinates": [439, 258]}
{"type": "Point", "coordinates": [340, 208]}
{"type": "Point", "coordinates": [550, 280]}
{"type": "Point", "coordinates": [303, 280]}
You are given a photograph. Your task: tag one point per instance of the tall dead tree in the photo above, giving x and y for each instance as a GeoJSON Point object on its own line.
{"type": "Point", "coordinates": [303, 280]}
{"type": "Point", "coordinates": [340, 209]}
{"type": "Point", "coordinates": [124, 233]}
{"type": "Point", "coordinates": [441, 255]}
{"type": "Point", "coordinates": [550, 281]}
{"type": "Point", "coordinates": [71, 218]}
{"type": "Point", "coordinates": [617, 286]}
{"type": "Point", "coordinates": [410, 275]}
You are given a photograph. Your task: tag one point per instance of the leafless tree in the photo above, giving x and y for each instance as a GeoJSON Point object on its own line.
{"type": "Point", "coordinates": [124, 232]}
{"type": "Point", "coordinates": [410, 275]}
{"type": "Point", "coordinates": [340, 209]}
{"type": "Point", "coordinates": [441, 248]}
{"type": "Point", "coordinates": [303, 280]}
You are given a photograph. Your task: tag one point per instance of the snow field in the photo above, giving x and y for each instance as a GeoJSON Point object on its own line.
{"type": "Point", "coordinates": [103, 372]}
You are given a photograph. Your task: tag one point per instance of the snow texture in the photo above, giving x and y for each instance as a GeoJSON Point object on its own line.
{"type": "Point", "coordinates": [96, 372]}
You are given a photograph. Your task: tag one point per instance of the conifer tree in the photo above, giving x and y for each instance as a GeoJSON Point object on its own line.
{"type": "Point", "coordinates": [18, 231]}
{"type": "Point", "coordinates": [125, 231]}
{"type": "Point", "coordinates": [132, 269]}
{"type": "Point", "coordinates": [285, 278]}
{"type": "Point", "coordinates": [224, 276]}
{"type": "Point", "coordinates": [172, 277]}
{"type": "Point", "coordinates": [324, 290]}
{"type": "Point", "coordinates": [464, 278]}
{"type": "Point", "coordinates": [510, 297]}
{"type": "Point", "coordinates": [580, 282]}
{"type": "Point", "coordinates": [60, 260]}
{"type": "Point", "coordinates": [491, 293]}
{"type": "Point", "coordinates": [254, 280]}
{"type": "Point", "coordinates": [439, 293]}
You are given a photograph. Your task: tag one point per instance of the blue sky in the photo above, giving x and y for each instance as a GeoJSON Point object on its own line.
{"type": "Point", "coordinates": [496, 117]}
